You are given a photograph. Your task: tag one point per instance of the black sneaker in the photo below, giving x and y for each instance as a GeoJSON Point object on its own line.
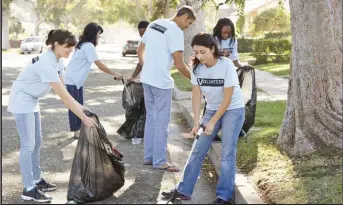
{"type": "Point", "coordinates": [45, 186]}
{"type": "Point", "coordinates": [217, 139]}
{"type": "Point", "coordinates": [35, 195]}
{"type": "Point", "coordinates": [221, 201]}
{"type": "Point", "coordinates": [178, 195]}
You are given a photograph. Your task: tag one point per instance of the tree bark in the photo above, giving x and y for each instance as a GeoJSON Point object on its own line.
{"type": "Point", "coordinates": [313, 118]}
{"type": "Point", "coordinates": [5, 29]}
{"type": "Point", "coordinates": [167, 13]}
{"type": "Point", "coordinates": [197, 27]}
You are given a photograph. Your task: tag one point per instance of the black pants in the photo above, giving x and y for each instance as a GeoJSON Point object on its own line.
{"type": "Point", "coordinates": [75, 121]}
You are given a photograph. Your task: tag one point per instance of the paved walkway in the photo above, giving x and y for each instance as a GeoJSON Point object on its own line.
{"type": "Point", "coordinates": [274, 87]}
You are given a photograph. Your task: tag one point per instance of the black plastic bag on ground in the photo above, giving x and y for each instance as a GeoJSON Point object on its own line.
{"type": "Point", "coordinates": [133, 103]}
{"type": "Point", "coordinates": [98, 170]}
{"type": "Point", "coordinates": [247, 82]}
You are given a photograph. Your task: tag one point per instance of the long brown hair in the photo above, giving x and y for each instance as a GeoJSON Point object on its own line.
{"type": "Point", "coordinates": [206, 40]}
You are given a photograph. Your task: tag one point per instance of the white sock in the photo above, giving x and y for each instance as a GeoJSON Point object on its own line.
{"type": "Point", "coordinates": [36, 181]}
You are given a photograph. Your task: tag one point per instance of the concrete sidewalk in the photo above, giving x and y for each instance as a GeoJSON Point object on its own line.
{"type": "Point", "coordinates": [274, 87]}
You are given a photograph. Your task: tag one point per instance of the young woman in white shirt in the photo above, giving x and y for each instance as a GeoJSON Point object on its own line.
{"type": "Point", "coordinates": [214, 77]}
{"type": "Point", "coordinates": [32, 84]}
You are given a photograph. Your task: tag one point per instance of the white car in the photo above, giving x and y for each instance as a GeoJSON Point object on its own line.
{"type": "Point", "coordinates": [30, 44]}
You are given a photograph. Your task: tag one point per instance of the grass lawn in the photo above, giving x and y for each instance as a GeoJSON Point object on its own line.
{"type": "Point", "coordinates": [283, 180]}
{"type": "Point", "coordinates": [244, 57]}
{"type": "Point", "coordinates": [279, 69]}
{"type": "Point", "coordinates": [181, 81]}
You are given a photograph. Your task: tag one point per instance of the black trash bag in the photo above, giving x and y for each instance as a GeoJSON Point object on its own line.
{"type": "Point", "coordinates": [247, 82]}
{"type": "Point", "coordinates": [133, 103]}
{"type": "Point", "coordinates": [98, 169]}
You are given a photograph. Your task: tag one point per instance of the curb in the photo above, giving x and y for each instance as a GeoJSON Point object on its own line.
{"type": "Point", "coordinates": [244, 191]}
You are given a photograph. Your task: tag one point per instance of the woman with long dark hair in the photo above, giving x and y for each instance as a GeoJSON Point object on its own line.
{"type": "Point", "coordinates": [32, 84]}
{"type": "Point", "coordinates": [225, 35]}
{"type": "Point", "coordinates": [215, 77]}
{"type": "Point", "coordinates": [80, 66]}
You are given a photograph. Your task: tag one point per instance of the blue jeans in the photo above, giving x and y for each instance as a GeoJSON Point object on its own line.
{"type": "Point", "coordinates": [158, 107]}
{"type": "Point", "coordinates": [231, 124]}
{"type": "Point", "coordinates": [30, 133]}
{"type": "Point", "coordinates": [74, 121]}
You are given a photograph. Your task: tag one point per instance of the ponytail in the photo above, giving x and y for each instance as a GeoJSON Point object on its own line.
{"type": "Point", "coordinates": [49, 40]}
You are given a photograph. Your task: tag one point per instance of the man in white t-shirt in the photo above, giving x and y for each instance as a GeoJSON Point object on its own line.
{"type": "Point", "coordinates": [161, 46]}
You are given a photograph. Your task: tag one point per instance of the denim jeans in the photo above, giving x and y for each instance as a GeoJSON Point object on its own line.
{"type": "Point", "coordinates": [158, 107]}
{"type": "Point", "coordinates": [74, 121]}
{"type": "Point", "coordinates": [231, 124]}
{"type": "Point", "coordinates": [30, 133]}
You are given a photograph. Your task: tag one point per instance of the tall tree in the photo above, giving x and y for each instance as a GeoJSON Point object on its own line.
{"type": "Point", "coordinates": [271, 20]}
{"type": "Point", "coordinates": [5, 11]}
{"type": "Point", "coordinates": [15, 26]}
{"type": "Point", "coordinates": [313, 118]}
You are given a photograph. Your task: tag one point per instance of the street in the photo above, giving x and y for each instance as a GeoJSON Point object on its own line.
{"type": "Point", "coordinates": [103, 96]}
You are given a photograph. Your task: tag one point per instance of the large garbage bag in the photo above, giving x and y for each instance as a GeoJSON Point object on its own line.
{"type": "Point", "coordinates": [133, 103]}
{"type": "Point", "coordinates": [247, 82]}
{"type": "Point", "coordinates": [98, 169]}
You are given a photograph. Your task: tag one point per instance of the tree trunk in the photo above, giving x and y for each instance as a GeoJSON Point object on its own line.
{"type": "Point", "coordinates": [197, 27]}
{"type": "Point", "coordinates": [313, 118]}
{"type": "Point", "coordinates": [167, 13]}
{"type": "Point", "coordinates": [5, 29]}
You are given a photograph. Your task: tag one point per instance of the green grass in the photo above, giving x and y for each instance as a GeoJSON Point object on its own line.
{"type": "Point", "coordinates": [280, 179]}
{"type": "Point", "coordinates": [181, 82]}
{"type": "Point", "coordinates": [279, 69]}
{"type": "Point", "coordinates": [244, 57]}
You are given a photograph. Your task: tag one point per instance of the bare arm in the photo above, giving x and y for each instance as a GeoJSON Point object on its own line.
{"type": "Point", "coordinates": [69, 101]}
{"type": "Point", "coordinates": [196, 102]}
{"type": "Point", "coordinates": [137, 71]}
{"type": "Point", "coordinates": [81, 107]}
{"type": "Point", "coordinates": [180, 64]}
{"type": "Point", "coordinates": [140, 52]}
{"type": "Point", "coordinates": [105, 69]}
{"type": "Point", "coordinates": [237, 64]}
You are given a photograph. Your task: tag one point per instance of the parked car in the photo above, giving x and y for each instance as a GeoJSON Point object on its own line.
{"type": "Point", "coordinates": [30, 44]}
{"type": "Point", "coordinates": [130, 47]}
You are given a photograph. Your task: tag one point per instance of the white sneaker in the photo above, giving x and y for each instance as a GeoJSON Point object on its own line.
{"type": "Point", "coordinates": [77, 134]}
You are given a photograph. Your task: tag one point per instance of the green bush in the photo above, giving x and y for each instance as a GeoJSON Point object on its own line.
{"type": "Point", "coordinates": [277, 35]}
{"type": "Point", "coordinates": [271, 50]}
{"type": "Point", "coordinates": [245, 45]}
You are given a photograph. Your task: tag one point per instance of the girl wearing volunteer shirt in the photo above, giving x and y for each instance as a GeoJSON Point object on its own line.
{"type": "Point", "coordinates": [214, 77]}
{"type": "Point", "coordinates": [33, 83]}
{"type": "Point", "coordinates": [224, 33]}
{"type": "Point", "coordinates": [79, 68]}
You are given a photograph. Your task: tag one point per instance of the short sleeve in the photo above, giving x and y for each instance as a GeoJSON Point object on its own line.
{"type": "Point", "coordinates": [144, 37]}
{"type": "Point", "coordinates": [90, 52]}
{"type": "Point", "coordinates": [175, 41]}
{"type": "Point", "coordinates": [60, 68]}
{"type": "Point", "coordinates": [234, 54]}
{"type": "Point", "coordinates": [193, 78]}
{"type": "Point", "coordinates": [231, 77]}
{"type": "Point", "coordinates": [47, 71]}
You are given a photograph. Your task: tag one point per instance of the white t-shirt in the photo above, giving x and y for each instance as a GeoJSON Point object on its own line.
{"type": "Point", "coordinates": [80, 65]}
{"type": "Point", "coordinates": [162, 38]}
{"type": "Point", "coordinates": [213, 80]}
{"type": "Point", "coordinates": [231, 47]}
{"type": "Point", "coordinates": [33, 83]}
